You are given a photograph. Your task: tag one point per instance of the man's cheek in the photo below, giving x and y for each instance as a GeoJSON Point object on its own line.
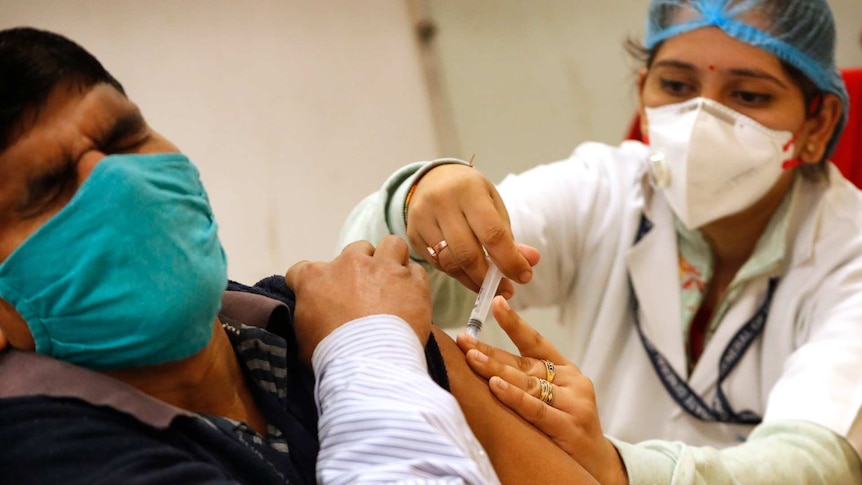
{"type": "Point", "coordinates": [13, 329]}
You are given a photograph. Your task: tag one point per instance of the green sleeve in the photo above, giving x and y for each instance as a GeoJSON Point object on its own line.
{"type": "Point", "coordinates": [785, 453]}
{"type": "Point", "coordinates": [382, 213]}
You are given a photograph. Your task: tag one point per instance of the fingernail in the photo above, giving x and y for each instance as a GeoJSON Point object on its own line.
{"type": "Point", "coordinates": [479, 355]}
{"type": "Point", "coordinates": [506, 304]}
{"type": "Point", "coordinates": [525, 276]}
{"type": "Point", "coordinates": [468, 338]}
{"type": "Point", "coordinates": [499, 382]}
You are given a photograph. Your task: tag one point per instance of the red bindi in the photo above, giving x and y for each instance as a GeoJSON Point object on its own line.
{"type": "Point", "coordinates": [711, 67]}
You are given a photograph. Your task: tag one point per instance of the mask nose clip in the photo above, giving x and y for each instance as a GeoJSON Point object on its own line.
{"type": "Point", "coordinates": [658, 170]}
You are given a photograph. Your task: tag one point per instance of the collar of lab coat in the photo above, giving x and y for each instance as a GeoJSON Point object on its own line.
{"type": "Point", "coordinates": [654, 276]}
{"type": "Point", "coordinates": [654, 273]}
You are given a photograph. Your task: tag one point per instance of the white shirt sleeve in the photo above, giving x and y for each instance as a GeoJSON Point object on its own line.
{"type": "Point", "coordinates": [382, 418]}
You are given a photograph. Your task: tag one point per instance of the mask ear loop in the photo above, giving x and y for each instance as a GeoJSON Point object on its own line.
{"type": "Point", "coordinates": [790, 162]}
{"type": "Point", "coordinates": [813, 108]}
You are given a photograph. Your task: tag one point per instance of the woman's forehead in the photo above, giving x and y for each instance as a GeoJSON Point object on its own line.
{"type": "Point", "coordinates": [754, 17]}
{"type": "Point", "coordinates": [712, 46]}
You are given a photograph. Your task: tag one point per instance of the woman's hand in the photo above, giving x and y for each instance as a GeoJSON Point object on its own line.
{"type": "Point", "coordinates": [457, 204]}
{"type": "Point", "coordinates": [568, 415]}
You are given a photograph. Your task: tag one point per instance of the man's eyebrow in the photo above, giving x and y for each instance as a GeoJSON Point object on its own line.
{"type": "Point", "coordinates": [124, 125]}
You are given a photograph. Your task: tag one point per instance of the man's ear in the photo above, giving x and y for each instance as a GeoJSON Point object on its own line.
{"type": "Point", "coordinates": [818, 129]}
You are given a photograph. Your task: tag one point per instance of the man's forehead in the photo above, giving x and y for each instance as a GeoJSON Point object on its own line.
{"type": "Point", "coordinates": [71, 115]}
{"type": "Point", "coordinates": [71, 107]}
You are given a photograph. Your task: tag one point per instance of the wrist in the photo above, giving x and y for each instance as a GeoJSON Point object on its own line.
{"type": "Point", "coordinates": [418, 178]}
{"type": "Point", "coordinates": [407, 201]}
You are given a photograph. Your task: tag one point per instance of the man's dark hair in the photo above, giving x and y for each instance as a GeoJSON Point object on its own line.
{"type": "Point", "coordinates": [32, 63]}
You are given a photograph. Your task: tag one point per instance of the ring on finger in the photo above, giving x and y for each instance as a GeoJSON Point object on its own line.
{"type": "Point", "coordinates": [547, 392]}
{"type": "Point", "coordinates": [434, 251]}
{"type": "Point", "coordinates": [550, 371]}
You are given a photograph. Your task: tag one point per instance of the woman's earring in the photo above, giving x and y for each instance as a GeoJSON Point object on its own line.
{"type": "Point", "coordinates": [810, 148]}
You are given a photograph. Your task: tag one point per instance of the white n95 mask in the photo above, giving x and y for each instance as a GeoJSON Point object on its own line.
{"type": "Point", "coordinates": [711, 161]}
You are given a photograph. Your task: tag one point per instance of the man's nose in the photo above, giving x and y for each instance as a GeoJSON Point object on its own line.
{"type": "Point", "coordinates": [88, 163]}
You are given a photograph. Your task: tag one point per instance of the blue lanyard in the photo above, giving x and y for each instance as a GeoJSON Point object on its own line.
{"type": "Point", "coordinates": [721, 410]}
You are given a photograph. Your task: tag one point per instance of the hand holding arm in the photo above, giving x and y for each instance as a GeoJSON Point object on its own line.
{"type": "Point", "coordinates": [775, 452]}
{"type": "Point", "coordinates": [571, 419]}
{"type": "Point", "coordinates": [361, 281]}
{"type": "Point", "coordinates": [519, 451]}
{"type": "Point", "coordinates": [382, 418]}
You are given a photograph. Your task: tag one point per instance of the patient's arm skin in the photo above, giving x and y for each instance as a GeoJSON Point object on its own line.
{"type": "Point", "coordinates": [519, 452]}
{"type": "Point", "coordinates": [572, 420]}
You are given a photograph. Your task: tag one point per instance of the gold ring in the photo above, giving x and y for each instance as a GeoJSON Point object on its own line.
{"type": "Point", "coordinates": [435, 251]}
{"type": "Point", "coordinates": [549, 370]}
{"type": "Point", "coordinates": [547, 392]}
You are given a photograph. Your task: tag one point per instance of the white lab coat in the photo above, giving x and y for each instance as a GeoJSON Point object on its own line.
{"type": "Point", "coordinates": [583, 215]}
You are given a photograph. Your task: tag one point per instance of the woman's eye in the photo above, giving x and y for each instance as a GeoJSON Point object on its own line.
{"type": "Point", "coordinates": [676, 88]}
{"type": "Point", "coordinates": [753, 99]}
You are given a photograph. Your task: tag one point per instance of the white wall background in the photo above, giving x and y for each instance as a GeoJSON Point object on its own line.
{"type": "Point", "coordinates": [295, 109]}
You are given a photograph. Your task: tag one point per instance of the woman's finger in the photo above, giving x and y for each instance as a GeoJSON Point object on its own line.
{"type": "Point", "coordinates": [448, 244]}
{"type": "Point", "coordinates": [552, 421]}
{"type": "Point", "coordinates": [534, 383]}
{"type": "Point", "coordinates": [526, 368]}
{"type": "Point", "coordinates": [528, 341]}
{"type": "Point", "coordinates": [490, 223]}
{"type": "Point", "coordinates": [464, 255]}
{"type": "Point", "coordinates": [499, 356]}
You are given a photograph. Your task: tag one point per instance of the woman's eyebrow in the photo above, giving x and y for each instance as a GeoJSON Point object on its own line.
{"type": "Point", "coordinates": [736, 71]}
{"type": "Point", "coordinates": [675, 63]}
{"type": "Point", "coordinates": [758, 74]}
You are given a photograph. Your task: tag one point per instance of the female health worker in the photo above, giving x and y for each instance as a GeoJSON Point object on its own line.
{"type": "Point", "coordinates": [710, 280]}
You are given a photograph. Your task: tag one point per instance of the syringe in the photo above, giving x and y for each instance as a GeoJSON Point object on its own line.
{"type": "Point", "coordinates": [483, 301]}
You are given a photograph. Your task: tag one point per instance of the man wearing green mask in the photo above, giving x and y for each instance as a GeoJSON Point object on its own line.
{"type": "Point", "coordinates": [119, 364]}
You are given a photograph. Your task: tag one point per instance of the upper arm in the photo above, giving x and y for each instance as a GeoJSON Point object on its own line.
{"type": "Point", "coordinates": [519, 452]}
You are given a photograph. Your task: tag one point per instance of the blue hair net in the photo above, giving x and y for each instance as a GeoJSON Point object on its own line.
{"type": "Point", "coordinates": [799, 32]}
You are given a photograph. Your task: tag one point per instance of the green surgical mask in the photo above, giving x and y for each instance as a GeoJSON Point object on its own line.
{"type": "Point", "coordinates": [130, 273]}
